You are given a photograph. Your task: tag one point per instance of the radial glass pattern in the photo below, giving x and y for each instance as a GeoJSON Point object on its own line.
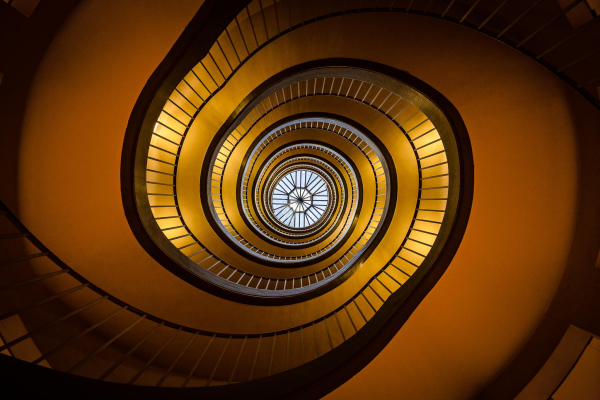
{"type": "Point", "coordinates": [300, 198]}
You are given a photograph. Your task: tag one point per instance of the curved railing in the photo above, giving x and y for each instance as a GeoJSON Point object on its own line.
{"type": "Point", "coordinates": [219, 211]}
{"type": "Point", "coordinates": [202, 256]}
{"type": "Point", "coordinates": [246, 203]}
{"type": "Point", "coordinates": [203, 358]}
{"type": "Point", "coordinates": [372, 154]}
{"type": "Point", "coordinates": [427, 144]}
{"type": "Point", "coordinates": [260, 23]}
{"type": "Point", "coordinates": [311, 340]}
{"type": "Point", "coordinates": [319, 230]}
{"type": "Point", "coordinates": [176, 230]}
{"type": "Point", "coordinates": [251, 356]}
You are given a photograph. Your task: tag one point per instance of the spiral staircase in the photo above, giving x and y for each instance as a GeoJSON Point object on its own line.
{"type": "Point", "coordinates": [297, 199]}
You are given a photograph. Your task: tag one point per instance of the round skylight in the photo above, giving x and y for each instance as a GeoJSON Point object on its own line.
{"type": "Point", "coordinates": [300, 198]}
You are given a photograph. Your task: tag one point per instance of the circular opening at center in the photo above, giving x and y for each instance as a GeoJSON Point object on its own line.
{"type": "Point", "coordinates": [300, 198]}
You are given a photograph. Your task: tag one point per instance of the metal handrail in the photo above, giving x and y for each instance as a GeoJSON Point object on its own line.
{"type": "Point", "coordinates": [323, 334]}
{"type": "Point", "coordinates": [375, 160]}
{"type": "Point", "coordinates": [394, 110]}
{"type": "Point", "coordinates": [244, 38]}
{"type": "Point", "coordinates": [341, 323]}
{"type": "Point", "coordinates": [392, 106]}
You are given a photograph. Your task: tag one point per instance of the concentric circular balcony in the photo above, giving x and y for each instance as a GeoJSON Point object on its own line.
{"type": "Point", "coordinates": [287, 210]}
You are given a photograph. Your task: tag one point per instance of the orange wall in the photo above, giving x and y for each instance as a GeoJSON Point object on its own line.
{"type": "Point", "coordinates": [524, 144]}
